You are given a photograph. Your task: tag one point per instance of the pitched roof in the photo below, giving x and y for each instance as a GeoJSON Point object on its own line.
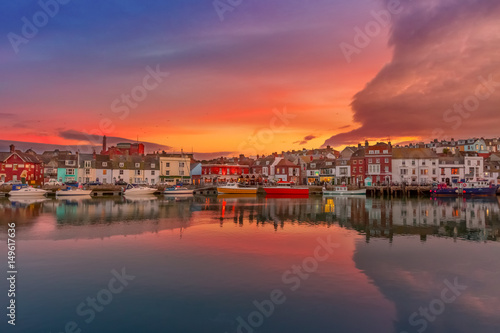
{"type": "Point", "coordinates": [285, 162]}
{"type": "Point", "coordinates": [413, 153]}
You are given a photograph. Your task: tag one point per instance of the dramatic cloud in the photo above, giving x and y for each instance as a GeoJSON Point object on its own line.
{"type": "Point", "coordinates": [444, 53]}
{"type": "Point", "coordinates": [305, 140]}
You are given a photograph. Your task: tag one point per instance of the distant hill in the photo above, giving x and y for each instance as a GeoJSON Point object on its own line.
{"type": "Point", "coordinates": [111, 141]}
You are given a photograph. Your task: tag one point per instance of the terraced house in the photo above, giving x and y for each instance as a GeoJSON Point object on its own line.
{"type": "Point", "coordinates": [18, 166]}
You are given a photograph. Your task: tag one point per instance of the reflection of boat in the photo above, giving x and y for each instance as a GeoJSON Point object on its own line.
{"type": "Point", "coordinates": [139, 190]}
{"type": "Point", "coordinates": [26, 191]}
{"type": "Point", "coordinates": [286, 189]}
{"type": "Point", "coordinates": [71, 191]}
{"type": "Point", "coordinates": [235, 188]}
{"type": "Point", "coordinates": [28, 200]}
{"type": "Point", "coordinates": [177, 190]}
{"type": "Point", "coordinates": [343, 190]}
{"type": "Point", "coordinates": [236, 196]}
{"type": "Point", "coordinates": [182, 197]}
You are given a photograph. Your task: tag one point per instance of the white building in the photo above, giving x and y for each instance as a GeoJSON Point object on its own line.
{"type": "Point", "coordinates": [415, 165]}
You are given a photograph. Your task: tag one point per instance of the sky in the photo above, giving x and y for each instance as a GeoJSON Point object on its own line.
{"type": "Point", "coordinates": [249, 76]}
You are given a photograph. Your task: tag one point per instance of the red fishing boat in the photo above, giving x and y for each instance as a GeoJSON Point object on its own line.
{"type": "Point", "coordinates": [286, 189]}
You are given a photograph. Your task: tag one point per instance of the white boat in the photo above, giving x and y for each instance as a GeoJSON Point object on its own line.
{"type": "Point", "coordinates": [235, 188]}
{"type": "Point", "coordinates": [26, 191]}
{"type": "Point", "coordinates": [343, 190]}
{"type": "Point", "coordinates": [72, 192]}
{"type": "Point", "coordinates": [139, 190]}
{"type": "Point", "coordinates": [177, 190]}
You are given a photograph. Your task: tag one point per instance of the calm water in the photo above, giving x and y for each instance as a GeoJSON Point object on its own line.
{"type": "Point", "coordinates": [254, 265]}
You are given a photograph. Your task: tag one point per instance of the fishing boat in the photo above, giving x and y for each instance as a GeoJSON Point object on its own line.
{"type": "Point", "coordinates": [138, 190]}
{"type": "Point", "coordinates": [283, 188]}
{"type": "Point", "coordinates": [479, 188]}
{"type": "Point", "coordinates": [72, 192]}
{"type": "Point", "coordinates": [23, 190]}
{"type": "Point", "coordinates": [343, 190]}
{"type": "Point", "coordinates": [177, 190]}
{"type": "Point", "coordinates": [235, 188]}
{"type": "Point", "coordinates": [467, 188]}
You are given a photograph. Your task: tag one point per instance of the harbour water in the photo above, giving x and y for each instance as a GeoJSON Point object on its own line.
{"type": "Point", "coordinates": [226, 264]}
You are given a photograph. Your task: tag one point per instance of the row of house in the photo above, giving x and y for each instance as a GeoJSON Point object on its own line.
{"type": "Point", "coordinates": [380, 163]}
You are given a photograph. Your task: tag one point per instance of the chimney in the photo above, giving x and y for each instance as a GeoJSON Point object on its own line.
{"type": "Point", "coordinates": [366, 143]}
{"type": "Point", "coordinates": [359, 145]}
{"type": "Point", "coordinates": [104, 145]}
{"type": "Point", "coordinates": [12, 148]}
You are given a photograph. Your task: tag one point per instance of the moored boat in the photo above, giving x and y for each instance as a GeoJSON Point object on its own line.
{"type": "Point", "coordinates": [138, 190]}
{"type": "Point", "coordinates": [235, 188]}
{"type": "Point", "coordinates": [343, 190]}
{"type": "Point", "coordinates": [286, 189]}
{"type": "Point", "coordinates": [468, 188]}
{"type": "Point", "coordinates": [72, 192]}
{"type": "Point", "coordinates": [177, 190]}
{"type": "Point", "coordinates": [26, 191]}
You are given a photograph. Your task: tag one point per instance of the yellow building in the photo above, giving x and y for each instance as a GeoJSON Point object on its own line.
{"type": "Point", "coordinates": [175, 168]}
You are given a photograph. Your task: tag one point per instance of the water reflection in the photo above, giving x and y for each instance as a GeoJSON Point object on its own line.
{"type": "Point", "coordinates": [202, 261]}
{"type": "Point", "coordinates": [473, 219]}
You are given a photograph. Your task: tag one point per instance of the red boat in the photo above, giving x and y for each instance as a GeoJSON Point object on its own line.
{"type": "Point", "coordinates": [286, 189]}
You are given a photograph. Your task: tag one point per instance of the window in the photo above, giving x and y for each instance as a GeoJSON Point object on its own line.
{"type": "Point", "coordinates": [14, 167]}
{"type": "Point", "coordinates": [454, 171]}
{"type": "Point", "coordinates": [68, 162]}
{"type": "Point", "coordinates": [153, 165]}
{"type": "Point", "coordinates": [104, 172]}
{"type": "Point", "coordinates": [121, 172]}
{"type": "Point", "coordinates": [386, 160]}
{"type": "Point", "coordinates": [361, 169]}
{"type": "Point", "coordinates": [413, 162]}
{"type": "Point", "coordinates": [355, 161]}
{"type": "Point", "coordinates": [354, 169]}
{"type": "Point", "coordinates": [70, 171]}
{"type": "Point", "coordinates": [138, 165]}
{"type": "Point", "coordinates": [378, 160]}
{"type": "Point", "coordinates": [167, 173]}
{"type": "Point", "coordinates": [137, 172]}
{"type": "Point", "coordinates": [181, 164]}
{"type": "Point", "coordinates": [167, 165]}
{"type": "Point", "coordinates": [122, 165]}
{"type": "Point", "coordinates": [181, 173]}
{"type": "Point", "coordinates": [88, 164]}
{"type": "Point", "coordinates": [104, 164]}
{"type": "Point", "coordinates": [424, 172]}
{"type": "Point", "coordinates": [152, 172]}
{"type": "Point", "coordinates": [87, 172]}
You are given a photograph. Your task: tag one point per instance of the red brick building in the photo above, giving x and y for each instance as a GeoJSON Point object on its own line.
{"type": "Point", "coordinates": [378, 161]}
{"type": "Point", "coordinates": [25, 167]}
{"type": "Point", "coordinates": [287, 171]}
{"type": "Point", "coordinates": [358, 167]}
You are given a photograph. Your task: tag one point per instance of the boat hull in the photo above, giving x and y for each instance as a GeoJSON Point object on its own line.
{"type": "Point", "coordinates": [178, 192]}
{"type": "Point", "coordinates": [222, 190]}
{"type": "Point", "coordinates": [287, 191]}
{"type": "Point", "coordinates": [21, 194]}
{"type": "Point", "coordinates": [73, 193]}
{"type": "Point", "coordinates": [134, 192]}
{"type": "Point", "coordinates": [482, 192]}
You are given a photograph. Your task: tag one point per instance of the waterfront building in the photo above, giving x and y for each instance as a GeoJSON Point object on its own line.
{"type": "Point", "coordinates": [175, 168]}
{"type": "Point", "coordinates": [24, 167]}
{"type": "Point", "coordinates": [67, 167]}
{"type": "Point", "coordinates": [378, 161]}
{"type": "Point", "coordinates": [224, 173]}
{"type": "Point", "coordinates": [104, 169]}
{"type": "Point", "coordinates": [415, 166]}
{"type": "Point", "coordinates": [86, 168]}
{"type": "Point", "coordinates": [287, 171]}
